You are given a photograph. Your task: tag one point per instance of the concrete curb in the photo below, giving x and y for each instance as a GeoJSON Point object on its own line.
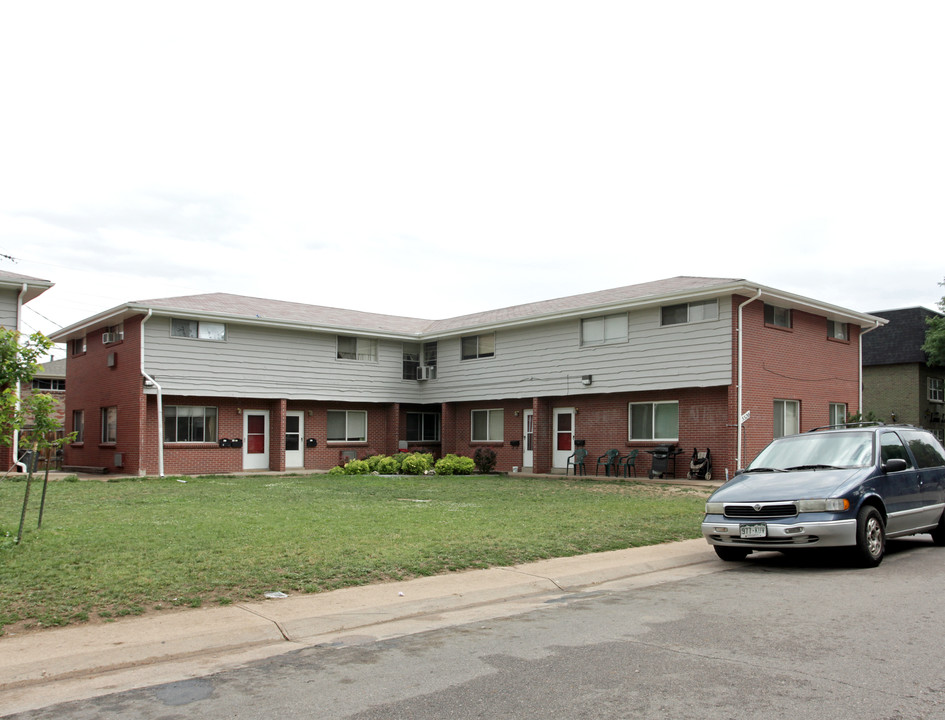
{"type": "Point", "coordinates": [277, 626]}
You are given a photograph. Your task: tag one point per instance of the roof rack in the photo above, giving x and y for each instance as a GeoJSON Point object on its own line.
{"type": "Point", "coordinates": [868, 423]}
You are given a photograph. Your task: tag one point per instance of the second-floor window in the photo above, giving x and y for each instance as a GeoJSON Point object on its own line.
{"type": "Point", "coordinates": [417, 355]}
{"type": "Point", "coordinates": [185, 423]}
{"type": "Point", "coordinates": [936, 391]}
{"type": "Point", "coordinates": [55, 385]}
{"type": "Point", "coordinates": [604, 330]}
{"type": "Point", "coordinates": [689, 312]}
{"type": "Point", "coordinates": [838, 330]}
{"type": "Point", "coordinates": [78, 346]}
{"type": "Point", "coordinates": [356, 348]}
{"type": "Point", "coordinates": [198, 329]}
{"type": "Point", "coordinates": [777, 316]}
{"type": "Point", "coordinates": [478, 346]}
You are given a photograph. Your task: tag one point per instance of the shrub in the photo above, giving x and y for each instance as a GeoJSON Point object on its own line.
{"type": "Point", "coordinates": [454, 465]}
{"type": "Point", "coordinates": [337, 470]}
{"type": "Point", "coordinates": [416, 463]}
{"type": "Point", "coordinates": [357, 467]}
{"type": "Point", "coordinates": [484, 459]}
{"type": "Point", "coordinates": [387, 466]}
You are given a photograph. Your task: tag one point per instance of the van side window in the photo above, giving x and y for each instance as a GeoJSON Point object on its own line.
{"type": "Point", "coordinates": [892, 448]}
{"type": "Point", "coordinates": [927, 452]}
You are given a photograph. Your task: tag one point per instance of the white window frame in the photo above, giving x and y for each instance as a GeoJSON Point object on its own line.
{"type": "Point", "coordinates": [781, 418]}
{"type": "Point", "coordinates": [649, 433]}
{"type": "Point", "coordinates": [936, 388]}
{"type": "Point", "coordinates": [605, 330]}
{"type": "Point", "coordinates": [494, 425]}
{"type": "Point", "coordinates": [484, 346]}
{"type": "Point", "coordinates": [365, 349]}
{"type": "Point", "coordinates": [198, 330]}
{"type": "Point", "coordinates": [837, 330]}
{"type": "Point", "coordinates": [191, 412]}
{"type": "Point", "coordinates": [838, 413]}
{"type": "Point", "coordinates": [697, 311]}
{"type": "Point", "coordinates": [780, 317]}
{"type": "Point", "coordinates": [349, 416]}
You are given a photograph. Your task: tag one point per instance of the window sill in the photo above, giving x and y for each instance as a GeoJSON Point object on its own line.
{"type": "Point", "coordinates": [779, 327]}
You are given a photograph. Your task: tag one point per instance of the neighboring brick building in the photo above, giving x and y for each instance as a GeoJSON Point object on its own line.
{"type": "Point", "coordinates": [15, 291]}
{"type": "Point", "coordinates": [223, 383]}
{"type": "Point", "coordinates": [898, 383]}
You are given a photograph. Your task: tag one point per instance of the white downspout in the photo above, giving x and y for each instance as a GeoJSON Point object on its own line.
{"type": "Point", "coordinates": [16, 433]}
{"type": "Point", "coordinates": [160, 400]}
{"type": "Point", "coordinates": [738, 425]}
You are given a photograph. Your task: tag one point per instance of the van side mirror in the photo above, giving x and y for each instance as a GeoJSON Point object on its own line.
{"type": "Point", "coordinates": [895, 465]}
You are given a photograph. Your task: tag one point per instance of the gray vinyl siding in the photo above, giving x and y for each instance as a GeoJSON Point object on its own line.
{"type": "Point", "coordinates": [272, 363]}
{"type": "Point", "coordinates": [548, 360]}
{"type": "Point", "coordinates": [530, 361]}
{"type": "Point", "coordinates": [8, 309]}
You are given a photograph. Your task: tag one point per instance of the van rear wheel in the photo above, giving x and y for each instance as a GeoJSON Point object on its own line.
{"type": "Point", "coordinates": [938, 534]}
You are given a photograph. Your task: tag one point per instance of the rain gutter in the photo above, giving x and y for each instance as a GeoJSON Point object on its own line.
{"type": "Point", "coordinates": [741, 362]}
{"type": "Point", "coordinates": [16, 432]}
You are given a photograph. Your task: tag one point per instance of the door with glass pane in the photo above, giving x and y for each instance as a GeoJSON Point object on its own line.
{"type": "Point", "coordinates": [255, 439]}
{"type": "Point", "coordinates": [294, 445]}
{"type": "Point", "coordinates": [528, 439]}
{"type": "Point", "coordinates": [563, 437]}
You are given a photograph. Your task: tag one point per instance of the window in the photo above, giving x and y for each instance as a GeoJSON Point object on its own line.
{"type": "Point", "coordinates": [777, 316]}
{"type": "Point", "coordinates": [604, 330]}
{"type": "Point", "coordinates": [690, 312]}
{"type": "Point", "coordinates": [423, 427]}
{"type": "Point", "coordinates": [183, 423]}
{"type": "Point", "coordinates": [199, 330]}
{"type": "Point", "coordinates": [57, 385]}
{"type": "Point", "coordinates": [926, 453]}
{"type": "Point", "coordinates": [787, 414]}
{"type": "Point", "coordinates": [838, 413]}
{"type": "Point", "coordinates": [478, 346]}
{"type": "Point", "coordinates": [78, 346]}
{"type": "Point", "coordinates": [838, 330]}
{"type": "Point", "coordinates": [113, 334]}
{"type": "Point", "coordinates": [347, 425]}
{"type": "Point", "coordinates": [488, 425]}
{"type": "Point", "coordinates": [654, 421]}
{"type": "Point", "coordinates": [936, 390]}
{"type": "Point", "coordinates": [78, 425]}
{"type": "Point", "coordinates": [417, 355]}
{"type": "Point", "coordinates": [110, 424]}
{"type": "Point", "coordinates": [355, 348]}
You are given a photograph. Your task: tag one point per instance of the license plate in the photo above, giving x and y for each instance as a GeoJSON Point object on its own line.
{"type": "Point", "coordinates": [756, 530]}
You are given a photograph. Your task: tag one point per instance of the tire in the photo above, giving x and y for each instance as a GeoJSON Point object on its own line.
{"type": "Point", "coordinates": [708, 475]}
{"type": "Point", "coordinates": [938, 534]}
{"type": "Point", "coordinates": [870, 537]}
{"type": "Point", "coordinates": [731, 554]}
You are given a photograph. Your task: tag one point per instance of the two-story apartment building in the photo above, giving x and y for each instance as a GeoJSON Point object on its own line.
{"type": "Point", "coordinates": [15, 291]}
{"type": "Point", "coordinates": [224, 383]}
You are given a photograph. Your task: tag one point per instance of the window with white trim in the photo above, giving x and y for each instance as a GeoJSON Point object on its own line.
{"type": "Point", "coordinates": [654, 421]}
{"type": "Point", "coordinates": [604, 330]}
{"type": "Point", "coordinates": [347, 426]}
{"type": "Point", "coordinates": [691, 312]}
{"type": "Point", "coordinates": [198, 329]}
{"type": "Point", "coordinates": [188, 424]}
{"type": "Point", "coordinates": [488, 425]}
{"type": "Point", "coordinates": [936, 390]}
{"type": "Point", "coordinates": [838, 330]}
{"type": "Point", "coordinates": [357, 348]}
{"type": "Point", "coordinates": [838, 413]}
{"type": "Point", "coordinates": [787, 417]}
{"type": "Point", "coordinates": [49, 384]}
{"type": "Point", "coordinates": [478, 346]}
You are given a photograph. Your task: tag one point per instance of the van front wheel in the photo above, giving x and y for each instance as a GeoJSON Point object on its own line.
{"type": "Point", "coordinates": [870, 537]}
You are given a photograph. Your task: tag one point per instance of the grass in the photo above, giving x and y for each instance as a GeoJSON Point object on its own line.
{"type": "Point", "coordinates": [128, 547]}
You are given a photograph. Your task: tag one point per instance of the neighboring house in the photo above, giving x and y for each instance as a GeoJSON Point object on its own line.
{"type": "Point", "coordinates": [51, 380]}
{"type": "Point", "coordinates": [898, 384]}
{"type": "Point", "coordinates": [15, 291]}
{"type": "Point", "coordinates": [224, 383]}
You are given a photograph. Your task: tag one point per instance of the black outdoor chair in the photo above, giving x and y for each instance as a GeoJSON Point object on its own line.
{"type": "Point", "coordinates": [577, 460]}
{"type": "Point", "coordinates": [608, 460]}
{"type": "Point", "coordinates": [629, 463]}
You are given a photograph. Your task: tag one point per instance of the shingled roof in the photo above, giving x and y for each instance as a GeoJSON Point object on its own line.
{"type": "Point", "coordinates": [899, 342]}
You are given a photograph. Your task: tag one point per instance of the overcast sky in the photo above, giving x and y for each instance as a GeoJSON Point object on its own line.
{"type": "Point", "coordinates": [432, 159]}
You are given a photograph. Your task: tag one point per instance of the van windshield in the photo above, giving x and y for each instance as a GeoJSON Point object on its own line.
{"type": "Point", "coordinates": [815, 451]}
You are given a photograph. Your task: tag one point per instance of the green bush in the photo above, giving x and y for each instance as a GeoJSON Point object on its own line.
{"type": "Point", "coordinates": [388, 466]}
{"type": "Point", "coordinates": [357, 467]}
{"type": "Point", "coordinates": [416, 464]}
{"type": "Point", "coordinates": [454, 465]}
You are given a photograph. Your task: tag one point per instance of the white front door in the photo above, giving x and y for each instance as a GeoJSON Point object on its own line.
{"type": "Point", "coordinates": [294, 443]}
{"type": "Point", "coordinates": [563, 437]}
{"type": "Point", "coordinates": [528, 439]}
{"type": "Point", "coordinates": [255, 439]}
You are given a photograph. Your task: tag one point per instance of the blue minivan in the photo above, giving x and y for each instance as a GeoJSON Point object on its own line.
{"type": "Point", "coordinates": [843, 486]}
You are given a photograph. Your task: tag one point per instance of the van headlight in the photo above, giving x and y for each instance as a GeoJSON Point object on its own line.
{"type": "Point", "coordinates": [714, 508]}
{"type": "Point", "coordinates": [823, 505]}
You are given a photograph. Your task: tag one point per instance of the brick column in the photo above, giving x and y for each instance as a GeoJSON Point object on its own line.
{"type": "Point", "coordinates": [447, 429]}
{"type": "Point", "coordinates": [277, 435]}
{"type": "Point", "coordinates": [543, 437]}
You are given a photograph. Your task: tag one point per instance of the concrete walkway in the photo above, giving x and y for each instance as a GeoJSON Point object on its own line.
{"type": "Point", "coordinates": [46, 667]}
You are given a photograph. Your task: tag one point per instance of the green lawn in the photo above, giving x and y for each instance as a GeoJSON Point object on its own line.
{"type": "Point", "coordinates": [108, 549]}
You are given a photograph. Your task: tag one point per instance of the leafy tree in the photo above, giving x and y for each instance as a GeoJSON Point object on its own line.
{"type": "Point", "coordinates": [934, 346]}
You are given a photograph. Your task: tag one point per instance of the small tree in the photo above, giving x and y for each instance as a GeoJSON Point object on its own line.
{"type": "Point", "coordinates": [934, 346]}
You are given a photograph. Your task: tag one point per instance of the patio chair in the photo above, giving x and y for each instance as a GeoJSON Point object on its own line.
{"type": "Point", "coordinates": [577, 460]}
{"type": "Point", "coordinates": [629, 463]}
{"type": "Point", "coordinates": [608, 460]}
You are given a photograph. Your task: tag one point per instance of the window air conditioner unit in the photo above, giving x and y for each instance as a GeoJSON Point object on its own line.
{"type": "Point", "coordinates": [109, 338]}
{"type": "Point", "coordinates": [426, 373]}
